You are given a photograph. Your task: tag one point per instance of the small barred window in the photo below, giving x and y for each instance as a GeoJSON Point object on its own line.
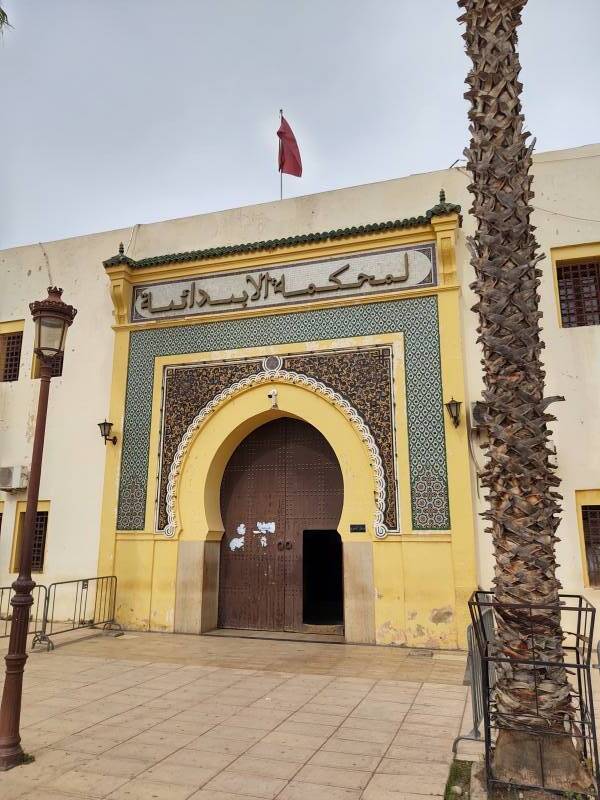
{"type": "Point", "coordinates": [10, 355]}
{"type": "Point", "coordinates": [579, 293]}
{"type": "Point", "coordinates": [591, 532]}
{"type": "Point", "coordinates": [39, 541]}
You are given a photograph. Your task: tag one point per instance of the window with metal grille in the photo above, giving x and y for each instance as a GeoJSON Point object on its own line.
{"type": "Point", "coordinates": [56, 365]}
{"type": "Point", "coordinates": [10, 355]}
{"type": "Point", "coordinates": [591, 533]}
{"type": "Point", "coordinates": [579, 293]}
{"type": "Point", "coordinates": [39, 541]}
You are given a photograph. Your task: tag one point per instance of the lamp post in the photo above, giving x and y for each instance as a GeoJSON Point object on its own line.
{"type": "Point", "coordinates": [52, 317]}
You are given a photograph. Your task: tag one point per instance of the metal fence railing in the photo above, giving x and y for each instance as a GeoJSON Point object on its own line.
{"type": "Point", "coordinates": [82, 603]}
{"type": "Point", "coordinates": [474, 668]}
{"type": "Point", "coordinates": [576, 736]}
{"type": "Point", "coordinates": [36, 614]}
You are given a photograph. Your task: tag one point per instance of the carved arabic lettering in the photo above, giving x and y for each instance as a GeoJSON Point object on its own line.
{"type": "Point", "coordinates": [298, 282]}
{"type": "Point", "coordinates": [198, 297]}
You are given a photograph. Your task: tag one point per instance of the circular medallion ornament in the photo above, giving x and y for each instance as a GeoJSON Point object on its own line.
{"type": "Point", "coordinates": [272, 363]}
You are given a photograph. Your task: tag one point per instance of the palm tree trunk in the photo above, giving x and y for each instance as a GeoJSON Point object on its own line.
{"type": "Point", "coordinates": [523, 504]}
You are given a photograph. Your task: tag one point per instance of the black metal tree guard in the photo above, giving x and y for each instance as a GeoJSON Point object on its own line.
{"type": "Point", "coordinates": [577, 620]}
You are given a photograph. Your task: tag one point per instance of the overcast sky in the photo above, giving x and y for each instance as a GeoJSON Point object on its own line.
{"type": "Point", "coordinates": [122, 111]}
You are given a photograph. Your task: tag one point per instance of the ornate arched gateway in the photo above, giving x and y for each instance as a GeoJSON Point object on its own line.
{"type": "Point", "coordinates": [199, 526]}
{"type": "Point", "coordinates": [281, 559]}
{"type": "Point", "coordinates": [357, 332]}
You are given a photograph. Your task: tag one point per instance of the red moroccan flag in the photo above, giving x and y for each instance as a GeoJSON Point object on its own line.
{"type": "Point", "coordinates": [289, 152]}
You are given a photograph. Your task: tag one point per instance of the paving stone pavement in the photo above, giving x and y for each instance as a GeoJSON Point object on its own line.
{"type": "Point", "coordinates": [153, 716]}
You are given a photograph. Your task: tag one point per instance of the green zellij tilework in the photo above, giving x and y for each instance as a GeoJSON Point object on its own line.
{"type": "Point", "coordinates": [416, 318]}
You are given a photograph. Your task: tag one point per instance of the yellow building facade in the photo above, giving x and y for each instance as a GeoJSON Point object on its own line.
{"type": "Point", "coordinates": [354, 333]}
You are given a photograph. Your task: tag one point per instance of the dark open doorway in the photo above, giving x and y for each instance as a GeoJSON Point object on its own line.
{"type": "Point", "coordinates": [323, 578]}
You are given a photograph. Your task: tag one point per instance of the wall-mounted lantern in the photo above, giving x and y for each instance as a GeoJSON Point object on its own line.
{"type": "Point", "coordinates": [105, 432]}
{"type": "Point", "coordinates": [453, 409]}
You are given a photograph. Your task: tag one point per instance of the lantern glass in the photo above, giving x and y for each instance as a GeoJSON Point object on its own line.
{"type": "Point", "coordinates": [105, 428]}
{"type": "Point", "coordinates": [50, 335]}
{"type": "Point", "coordinates": [453, 408]}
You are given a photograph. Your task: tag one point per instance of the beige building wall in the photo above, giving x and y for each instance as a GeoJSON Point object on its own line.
{"type": "Point", "coordinates": [73, 465]}
{"type": "Point", "coordinates": [567, 212]}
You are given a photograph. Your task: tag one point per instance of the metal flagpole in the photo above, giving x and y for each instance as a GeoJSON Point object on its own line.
{"type": "Point", "coordinates": [280, 170]}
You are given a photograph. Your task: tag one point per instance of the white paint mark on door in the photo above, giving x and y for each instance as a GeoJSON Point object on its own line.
{"type": "Point", "coordinates": [265, 527]}
{"type": "Point", "coordinates": [237, 542]}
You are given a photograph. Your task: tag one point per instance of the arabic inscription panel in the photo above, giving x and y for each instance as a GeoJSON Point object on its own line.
{"type": "Point", "coordinates": [301, 282]}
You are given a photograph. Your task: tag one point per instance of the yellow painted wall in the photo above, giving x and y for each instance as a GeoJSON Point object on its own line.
{"type": "Point", "coordinates": [162, 611]}
{"type": "Point", "coordinates": [133, 568]}
{"type": "Point", "coordinates": [146, 569]}
{"type": "Point", "coordinates": [430, 594]}
{"type": "Point", "coordinates": [415, 593]}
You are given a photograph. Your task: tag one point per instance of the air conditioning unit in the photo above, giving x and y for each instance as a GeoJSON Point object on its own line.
{"type": "Point", "coordinates": [13, 479]}
{"type": "Point", "coordinates": [477, 414]}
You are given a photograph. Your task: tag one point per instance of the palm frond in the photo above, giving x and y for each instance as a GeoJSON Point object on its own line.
{"type": "Point", "coordinates": [4, 23]}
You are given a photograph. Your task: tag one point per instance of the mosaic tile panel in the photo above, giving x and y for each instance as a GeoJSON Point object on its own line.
{"type": "Point", "coordinates": [417, 318]}
{"type": "Point", "coordinates": [362, 376]}
{"type": "Point", "coordinates": [186, 391]}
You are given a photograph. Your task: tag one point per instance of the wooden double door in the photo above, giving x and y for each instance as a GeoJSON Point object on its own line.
{"type": "Point", "coordinates": [282, 480]}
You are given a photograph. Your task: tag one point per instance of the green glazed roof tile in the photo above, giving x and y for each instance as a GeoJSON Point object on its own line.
{"type": "Point", "coordinates": [441, 209]}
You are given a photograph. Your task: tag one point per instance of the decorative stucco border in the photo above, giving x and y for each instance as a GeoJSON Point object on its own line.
{"type": "Point", "coordinates": [313, 363]}
{"type": "Point", "coordinates": [285, 376]}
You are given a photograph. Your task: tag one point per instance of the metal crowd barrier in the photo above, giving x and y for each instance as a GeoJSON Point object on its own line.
{"type": "Point", "coordinates": [474, 667]}
{"type": "Point", "coordinates": [36, 614]}
{"type": "Point", "coordinates": [92, 601]}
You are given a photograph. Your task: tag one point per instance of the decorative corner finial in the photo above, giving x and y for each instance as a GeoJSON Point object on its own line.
{"type": "Point", "coordinates": [121, 249]}
{"type": "Point", "coordinates": [442, 196]}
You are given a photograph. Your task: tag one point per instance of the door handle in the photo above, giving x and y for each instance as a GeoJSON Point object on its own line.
{"type": "Point", "coordinates": [280, 545]}
{"type": "Point", "coordinates": [288, 545]}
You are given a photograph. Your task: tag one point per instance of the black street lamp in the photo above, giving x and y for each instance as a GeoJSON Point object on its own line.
{"type": "Point", "coordinates": [52, 317]}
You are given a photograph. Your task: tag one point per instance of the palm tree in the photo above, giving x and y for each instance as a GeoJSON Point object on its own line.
{"type": "Point", "coordinates": [523, 502]}
{"type": "Point", "coordinates": [4, 23]}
